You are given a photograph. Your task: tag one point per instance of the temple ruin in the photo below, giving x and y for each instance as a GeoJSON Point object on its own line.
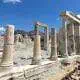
{"type": "Point", "coordinates": [56, 66]}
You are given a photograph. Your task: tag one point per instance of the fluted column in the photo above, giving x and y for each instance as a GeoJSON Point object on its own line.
{"type": "Point", "coordinates": [79, 41]}
{"type": "Point", "coordinates": [46, 39]}
{"type": "Point", "coordinates": [53, 55]}
{"type": "Point", "coordinates": [64, 22]}
{"type": "Point", "coordinates": [37, 48]}
{"type": "Point", "coordinates": [73, 39]}
{"type": "Point", "coordinates": [8, 51]}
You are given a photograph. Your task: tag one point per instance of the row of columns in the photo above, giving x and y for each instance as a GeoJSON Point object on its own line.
{"type": "Point", "coordinates": [65, 24]}
{"type": "Point", "coordinates": [53, 55]}
{"type": "Point", "coordinates": [54, 42]}
{"type": "Point", "coordinates": [8, 52]}
{"type": "Point", "coordinates": [37, 45]}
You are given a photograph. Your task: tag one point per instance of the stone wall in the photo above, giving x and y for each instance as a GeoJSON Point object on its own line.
{"type": "Point", "coordinates": [32, 72]}
{"type": "Point", "coordinates": [48, 70]}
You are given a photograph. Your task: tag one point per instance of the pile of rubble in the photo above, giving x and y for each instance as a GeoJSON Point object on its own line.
{"type": "Point", "coordinates": [74, 75]}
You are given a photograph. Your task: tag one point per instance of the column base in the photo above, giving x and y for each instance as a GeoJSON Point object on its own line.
{"type": "Point", "coordinates": [66, 61]}
{"type": "Point", "coordinates": [73, 53]}
{"type": "Point", "coordinates": [36, 62]}
{"type": "Point", "coordinates": [65, 56]}
{"type": "Point", "coordinates": [53, 58]}
{"type": "Point", "coordinates": [6, 64]}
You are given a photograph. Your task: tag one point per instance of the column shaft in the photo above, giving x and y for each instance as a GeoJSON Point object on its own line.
{"type": "Point", "coordinates": [37, 49]}
{"type": "Point", "coordinates": [79, 39]}
{"type": "Point", "coordinates": [46, 39]}
{"type": "Point", "coordinates": [8, 51]}
{"type": "Point", "coordinates": [66, 41]}
{"type": "Point", "coordinates": [73, 39]}
{"type": "Point", "coordinates": [53, 44]}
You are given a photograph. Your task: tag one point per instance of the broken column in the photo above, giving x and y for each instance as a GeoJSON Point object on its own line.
{"type": "Point", "coordinates": [37, 47]}
{"type": "Point", "coordinates": [8, 51]}
{"type": "Point", "coordinates": [53, 44]}
{"type": "Point", "coordinates": [73, 40]}
{"type": "Point", "coordinates": [64, 22]}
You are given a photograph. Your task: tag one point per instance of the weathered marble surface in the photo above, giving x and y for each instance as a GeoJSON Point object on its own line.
{"type": "Point", "coordinates": [45, 71]}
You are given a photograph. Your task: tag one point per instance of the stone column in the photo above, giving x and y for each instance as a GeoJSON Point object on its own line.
{"type": "Point", "coordinates": [79, 41]}
{"type": "Point", "coordinates": [16, 39]}
{"type": "Point", "coordinates": [37, 48]}
{"type": "Point", "coordinates": [53, 44]}
{"type": "Point", "coordinates": [64, 22]}
{"type": "Point", "coordinates": [73, 39]}
{"type": "Point", "coordinates": [79, 31]}
{"type": "Point", "coordinates": [8, 51]}
{"type": "Point", "coordinates": [46, 39]}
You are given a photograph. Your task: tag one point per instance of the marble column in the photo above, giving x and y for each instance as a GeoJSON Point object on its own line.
{"type": "Point", "coordinates": [64, 23]}
{"type": "Point", "coordinates": [79, 41]}
{"type": "Point", "coordinates": [53, 55]}
{"type": "Point", "coordinates": [46, 39]}
{"type": "Point", "coordinates": [16, 38]}
{"type": "Point", "coordinates": [37, 48]}
{"type": "Point", "coordinates": [8, 51]}
{"type": "Point", "coordinates": [73, 40]}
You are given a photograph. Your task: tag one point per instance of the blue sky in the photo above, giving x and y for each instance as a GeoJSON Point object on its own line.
{"type": "Point", "coordinates": [23, 13]}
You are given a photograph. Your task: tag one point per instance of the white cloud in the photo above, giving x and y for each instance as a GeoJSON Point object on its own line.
{"type": "Point", "coordinates": [2, 29]}
{"type": "Point", "coordinates": [12, 1]}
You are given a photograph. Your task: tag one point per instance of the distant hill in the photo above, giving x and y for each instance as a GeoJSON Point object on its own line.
{"type": "Point", "coordinates": [30, 33]}
{"type": "Point", "coordinates": [22, 32]}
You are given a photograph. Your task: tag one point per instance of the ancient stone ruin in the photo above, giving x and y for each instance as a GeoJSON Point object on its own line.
{"type": "Point", "coordinates": [23, 59]}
